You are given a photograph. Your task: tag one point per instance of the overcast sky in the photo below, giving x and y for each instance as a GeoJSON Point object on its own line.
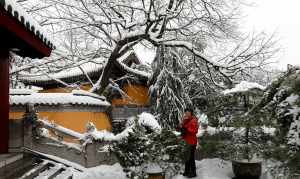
{"type": "Point", "coordinates": [280, 16]}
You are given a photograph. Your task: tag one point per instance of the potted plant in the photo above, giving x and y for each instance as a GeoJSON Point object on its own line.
{"type": "Point", "coordinates": [247, 146]}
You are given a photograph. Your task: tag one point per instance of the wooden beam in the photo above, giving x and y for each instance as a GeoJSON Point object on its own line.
{"type": "Point", "coordinates": [4, 100]}
{"type": "Point", "coordinates": [14, 26]}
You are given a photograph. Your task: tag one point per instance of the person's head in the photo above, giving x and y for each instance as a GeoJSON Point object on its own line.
{"type": "Point", "coordinates": [188, 112]}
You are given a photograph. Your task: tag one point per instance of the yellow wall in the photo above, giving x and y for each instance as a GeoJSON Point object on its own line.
{"type": "Point", "coordinates": [137, 93]}
{"type": "Point", "coordinates": [73, 120]}
{"type": "Point", "coordinates": [57, 90]}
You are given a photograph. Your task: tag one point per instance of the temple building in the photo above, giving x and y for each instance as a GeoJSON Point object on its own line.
{"type": "Point", "coordinates": [72, 108]}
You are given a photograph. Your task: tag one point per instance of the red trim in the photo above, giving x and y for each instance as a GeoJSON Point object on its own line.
{"type": "Point", "coordinates": [13, 25]}
{"type": "Point", "coordinates": [4, 101]}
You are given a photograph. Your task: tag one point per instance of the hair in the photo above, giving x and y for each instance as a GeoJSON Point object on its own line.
{"type": "Point", "coordinates": [189, 110]}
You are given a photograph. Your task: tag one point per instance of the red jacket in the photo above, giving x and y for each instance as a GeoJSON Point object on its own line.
{"type": "Point", "coordinates": [191, 129]}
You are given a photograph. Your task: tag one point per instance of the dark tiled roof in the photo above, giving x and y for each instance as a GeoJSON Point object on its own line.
{"type": "Point", "coordinates": [94, 71]}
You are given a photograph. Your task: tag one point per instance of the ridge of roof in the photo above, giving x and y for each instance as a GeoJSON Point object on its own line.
{"type": "Point", "coordinates": [75, 73]}
{"type": "Point", "coordinates": [57, 99]}
{"type": "Point", "coordinates": [18, 13]}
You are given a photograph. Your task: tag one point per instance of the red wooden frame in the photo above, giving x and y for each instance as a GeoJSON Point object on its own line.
{"type": "Point", "coordinates": [30, 42]}
{"type": "Point", "coordinates": [14, 26]}
{"type": "Point", "coordinates": [4, 100]}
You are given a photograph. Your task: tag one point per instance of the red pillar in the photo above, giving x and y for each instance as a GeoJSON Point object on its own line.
{"type": "Point", "coordinates": [4, 100]}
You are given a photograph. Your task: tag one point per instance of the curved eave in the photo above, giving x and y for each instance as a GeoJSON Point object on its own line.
{"type": "Point", "coordinates": [21, 34]}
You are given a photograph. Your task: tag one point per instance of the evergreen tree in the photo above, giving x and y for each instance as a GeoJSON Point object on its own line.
{"type": "Point", "coordinates": [168, 96]}
{"type": "Point", "coordinates": [141, 148]}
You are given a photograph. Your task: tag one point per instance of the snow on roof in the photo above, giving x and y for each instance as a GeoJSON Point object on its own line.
{"type": "Point", "coordinates": [75, 74]}
{"type": "Point", "coordinates": [86, 93]}
{"type": "Point", "coordinates": [244, 86]}
{"type": "Point", "coordinates": [56, 99]}
{"type": "Point", "coordinates": [21, 91]}
{"type": "Point", "coordinates": [89, 68]}
{"type": "Point", "coordinates": [28, 22]}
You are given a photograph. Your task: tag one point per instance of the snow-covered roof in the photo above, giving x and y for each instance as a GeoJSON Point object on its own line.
{"type": "Point", "coordinates": [16, 11]}
{"type": "Point", "coordinates": [244, 86]}
{"type": "Point", "coordinates": [69, 75]}
{"type": "Point", "coordinates": [76, 74]}
{"type": "Point", "coordinates": [76, 98]}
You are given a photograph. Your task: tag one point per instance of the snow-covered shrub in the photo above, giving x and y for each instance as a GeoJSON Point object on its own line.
{"type": "Point", "coordinates": [140, 149]}
{"type": "Point", "coordinates": [280, 106]}
{"type": "Point", "coordinates": [146, 120]}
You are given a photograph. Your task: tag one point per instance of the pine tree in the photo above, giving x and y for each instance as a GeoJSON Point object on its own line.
{"type": "Point", "coordinates": [141, 148]}
{"type": "Point", "coordinates": [167, 92]}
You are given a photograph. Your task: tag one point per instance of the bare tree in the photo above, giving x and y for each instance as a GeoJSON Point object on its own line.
{"type": "Point", "coordinates": [91, 28]}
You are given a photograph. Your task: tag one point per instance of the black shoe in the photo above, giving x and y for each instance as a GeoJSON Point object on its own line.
{"type": "Point", "coordinates": [191, 175]}
{"type": "Point", "coordinates": [185, 174]}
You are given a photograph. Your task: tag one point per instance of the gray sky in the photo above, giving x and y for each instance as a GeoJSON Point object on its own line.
{"type": "Point", "coordinates": [280, 16]}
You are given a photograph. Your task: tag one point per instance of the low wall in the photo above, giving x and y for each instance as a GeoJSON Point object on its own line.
{"type": "Point", "coordinates": [89, 155]}
{"type": "Point", "coordinates": [120, 115]}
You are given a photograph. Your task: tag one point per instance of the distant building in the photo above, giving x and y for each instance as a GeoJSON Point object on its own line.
{"type": "Point", "coordinates": [105, 114]}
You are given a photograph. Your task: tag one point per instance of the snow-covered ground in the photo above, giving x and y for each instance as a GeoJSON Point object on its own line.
{"type": "Point", "coordinates": [103, 171]}
{"type": "Point", "coordinates": [206, 169]}
{"type": "Point", "coordinates": [212, 169]}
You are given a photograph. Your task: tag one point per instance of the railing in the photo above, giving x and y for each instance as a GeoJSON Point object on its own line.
{"type": "Point", "coordinates": [87, 153]}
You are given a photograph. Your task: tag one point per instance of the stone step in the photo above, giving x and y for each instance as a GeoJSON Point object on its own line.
{"type": "Point", "coordinates": [35, 171]}
{"type": "Point", "coordinates": [6, 159]}
{"type": "Point", "coordinates": [51, 172]}
{"type": "Point", "coordinates": [15, 165]}
{"type": "Point", "coordinates": [65, 174]}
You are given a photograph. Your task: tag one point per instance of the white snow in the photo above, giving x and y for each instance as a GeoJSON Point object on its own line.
{"type": "Point", "coordinates": [134, 71]}
{"type": "Point", "coordinates": [27, 18]}
{"type": "Point", "coordinates": [212, 169]}
{"type": "Point", "coordinates": [103, 171]}
{"type": "Point", "coordinates": [49, 172]}
{"type": "Point", "coordinates": [33, 170]}
{"type": "Point", "coordinates": [292, 99]}
{"type": "Point", "coordinates": [243, 86]}
{"type": "Point", "coordinates": [147, 119]}
{"type": "Point", "coordinates": [144, 118]}
{"type": "Point", "coordinates": [21, 91]}
{"type": "Point", "coordinates": [93, 66]}
{"type": "Point", "coordinates": [89, 67]}
{"type": "Point", "coordinates": [105, 135]}
{"type": "Point", "coordinates": [61, 160]}
{"type": "Point", "coordinates": [57, 99]}
{"type": "Point", "coordinates": [238, 131]}
{"type": "Point", "coordinates": [44, 132]}
{"type": "Point", "coordinates": [203, 119]}
{"type": "Point", "coordinates": [61, 129]}
{"type": "Point", "coordinates": [153, 168]}
{"type": "Point", "coordinates": [86, 93]}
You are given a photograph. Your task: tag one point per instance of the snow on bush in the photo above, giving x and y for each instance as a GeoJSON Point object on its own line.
{"type": "Point", "coordinates": [146, 120]}
{"type": "Point", "coordinates": [244, 86]}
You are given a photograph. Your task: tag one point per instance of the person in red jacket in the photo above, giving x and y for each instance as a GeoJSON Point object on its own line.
{"type": "Point", "coordinates": [189, 129]}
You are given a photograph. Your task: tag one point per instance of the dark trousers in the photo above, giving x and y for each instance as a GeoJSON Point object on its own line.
{"type": "Point", "coordinates": [190, 164]}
